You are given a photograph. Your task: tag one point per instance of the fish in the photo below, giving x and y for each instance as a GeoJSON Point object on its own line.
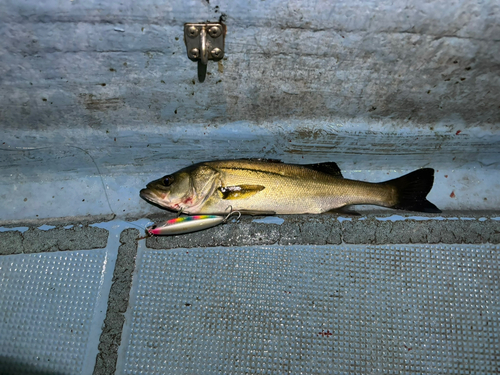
{"type": "Point", "coordinates": [268, 186]}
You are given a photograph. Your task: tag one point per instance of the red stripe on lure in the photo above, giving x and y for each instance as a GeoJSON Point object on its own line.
{"type": "Point", "coordinates": [187, 224]}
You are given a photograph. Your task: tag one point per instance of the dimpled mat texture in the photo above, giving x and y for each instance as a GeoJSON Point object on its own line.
{"type": "Point", "coordinates": [47, 304]}
{"type": "Point", "coordinates": [316, 310]}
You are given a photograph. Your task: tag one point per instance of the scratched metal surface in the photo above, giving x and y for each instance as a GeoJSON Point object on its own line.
{"type": "Point", "coordinates": [99, 98]}
{"type": "Point", "coordinates": [103, 65]}
{"type": "Point", "coordinates": [314, 309]}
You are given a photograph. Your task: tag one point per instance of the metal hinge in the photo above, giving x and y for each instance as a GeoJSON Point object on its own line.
{"type": "Point", "coordinates": [204, 41]}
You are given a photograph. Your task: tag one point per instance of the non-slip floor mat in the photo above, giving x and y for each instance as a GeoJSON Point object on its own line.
{"type": "Point", "coordinates": [47, 308]}
{"type": "Point", "coordinates": [315, 310]}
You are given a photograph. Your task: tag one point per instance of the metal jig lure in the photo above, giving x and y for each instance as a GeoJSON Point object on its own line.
{"type": "Point", "coordinates": [188, 224]}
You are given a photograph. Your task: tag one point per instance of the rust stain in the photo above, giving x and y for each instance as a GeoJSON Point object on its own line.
{"type": "Point", "coordinates": [458, 132]}
{"type": "Point", "coordinates": [93, 103]}
{"type": "Point", "coordinates": [311, 134]}
{"type": "Point", "coordinates": [220, 67]}
{"type": "Point", "coordinates": [323, 333]}
{"type": "Point", "coordinates": [452, 195]}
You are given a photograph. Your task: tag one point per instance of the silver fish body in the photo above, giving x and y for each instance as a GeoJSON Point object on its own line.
{"type": "Point", "coordinates": [258, 186]}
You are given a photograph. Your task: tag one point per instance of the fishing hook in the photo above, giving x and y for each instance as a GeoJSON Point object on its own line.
{"type": "Point", "coordinates": [230, 213]}
{"type": "Point", "coordinates": [179, 213]}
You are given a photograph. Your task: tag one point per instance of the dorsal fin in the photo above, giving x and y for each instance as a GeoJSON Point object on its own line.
{"type": "Point", "coordinates": [330, 168]}
{"type": "Point", "coordinates": [263, 160]}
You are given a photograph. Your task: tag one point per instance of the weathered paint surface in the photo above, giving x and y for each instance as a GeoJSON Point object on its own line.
{"type": "Point", "coordinates": [90, 114]}
{"type": "Point", "coordinates": [409, 61]}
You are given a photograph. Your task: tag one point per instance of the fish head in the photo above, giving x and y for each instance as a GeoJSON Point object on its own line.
{"type": "Point", "coordinates": [185, 190]}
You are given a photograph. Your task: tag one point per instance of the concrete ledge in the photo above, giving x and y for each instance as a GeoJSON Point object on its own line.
{"type": "Point", "coordinates": [58, 239]}
{"type": "Point", "coordinates": [332, 229]}
{"type": "Point", "coordinates": [372, 231]}
{"type": "Point", "coordinates": [11, 243]}
{"type": "Point", "coordinates": [372, 228]}
{"type": "Point", "coordinates": [58, 221]}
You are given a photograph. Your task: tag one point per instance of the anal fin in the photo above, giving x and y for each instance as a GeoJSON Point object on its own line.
{"type": "Point", "coordinates": [255, 212]}
{"type": "Point", "coordinates": [344, 211]}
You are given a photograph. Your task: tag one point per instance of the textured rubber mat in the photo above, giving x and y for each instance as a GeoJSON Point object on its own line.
{"type": "Point", "coordinates": [47, 307]}
{"type": "Point", "coordinates": [315, 310]}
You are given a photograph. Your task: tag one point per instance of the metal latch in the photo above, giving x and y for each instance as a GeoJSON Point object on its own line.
{"type": "Point", "coordinates": [204, 41]}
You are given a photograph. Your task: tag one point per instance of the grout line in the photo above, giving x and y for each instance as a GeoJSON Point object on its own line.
{"type": "Point", "coordinates": [109, 341]}
{"type": "Point", "coordinates": [125, 336]}
{"type": "Point", "coordinates": [123, 238]}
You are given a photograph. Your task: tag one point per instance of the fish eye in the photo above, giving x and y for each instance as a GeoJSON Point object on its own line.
{"type": "Point", "coordinates": [168, 180]}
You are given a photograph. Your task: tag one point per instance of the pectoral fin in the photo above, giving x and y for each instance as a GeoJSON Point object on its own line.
{"type": "Point", "coordinates": [239, 191]}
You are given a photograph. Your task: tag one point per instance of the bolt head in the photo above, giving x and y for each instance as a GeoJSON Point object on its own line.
{"type": "Point", "coordinates": [214, 31]}
{"type": "Point", "coordinates": [194, 53]}
{"type": "Point", "coordinates": [216, 53]}
{"type": "Point", "coordinates": [193, 31]}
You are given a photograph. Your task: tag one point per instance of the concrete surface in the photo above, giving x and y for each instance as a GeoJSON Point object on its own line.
{"type": "Point", "coordinates": [328, 229]}
{"type": "Point", "coordinates": [35, 240]}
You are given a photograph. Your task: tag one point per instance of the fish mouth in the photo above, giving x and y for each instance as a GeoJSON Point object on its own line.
{"type": "Point", "coordinates": [151, 197]}
{"type": "Point", "coordinates": [146, 194]}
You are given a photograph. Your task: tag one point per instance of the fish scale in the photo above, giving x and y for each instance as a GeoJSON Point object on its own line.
{"type": "Point", "coordinates": [312, 192]}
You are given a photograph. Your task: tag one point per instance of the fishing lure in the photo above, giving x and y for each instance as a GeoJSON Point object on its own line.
{"type": "Point", "coordinates": [188, 224]}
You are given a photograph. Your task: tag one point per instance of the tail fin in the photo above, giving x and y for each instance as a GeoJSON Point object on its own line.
{"type": "Point", "coordinates": [412, 190]}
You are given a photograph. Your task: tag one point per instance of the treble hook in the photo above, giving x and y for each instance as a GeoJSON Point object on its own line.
{"type": "Point", "coordinates": [179, 213]}
{"type": "Point", "coordinates": [232, 212]}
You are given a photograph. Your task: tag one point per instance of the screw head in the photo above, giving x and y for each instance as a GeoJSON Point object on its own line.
{"type": "Point", "coordinates": [194, 53]}
{"type": "Point", "coordinates": [214, 31]}
{"type": "Point", "coordinates": [216, 53]}
{"type": "Point", "coordinates": [193, 31]}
